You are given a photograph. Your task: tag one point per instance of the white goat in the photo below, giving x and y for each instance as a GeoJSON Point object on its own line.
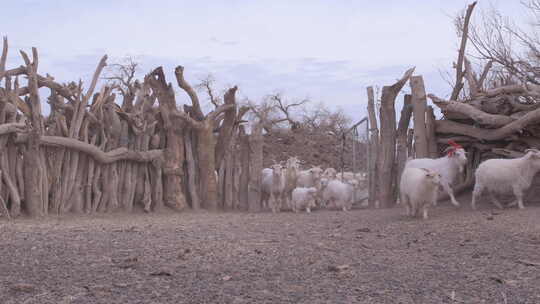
{"type": "Point", "coordinates": [303, 198]}
{"type": "Point", "coordinates": [447, 166]}
{"type": "Point", "coordinates": [348, 176]}
{"type": "Point", "coordinates": [345, 176]}
{"type": "Point", "coordinates": [310, 177]}
{"type": "Point", "coordinates": [266, 190]}
{"type": "Point", "coordinates": [337, 193]}
{"type": "Point", "coordinates": [291, 176]}
{"type": "Point", "coordinates": [505, 175]}
{"type": "Point", "coordinates": [360, 181]}
{"type": "Point", "coordinates": [278, 185]}
{"type": "Point", "coordinates": [266, 172]}
{"type": "Point", "coordinates": [329, 173]}
{"type": "Point", "coordinates": [418, 189]}
{"type": "Point", "coordinates": [272, 186]}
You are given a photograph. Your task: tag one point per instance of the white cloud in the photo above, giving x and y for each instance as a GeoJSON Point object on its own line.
{"type": "Point", "coordinates": [328, 50]}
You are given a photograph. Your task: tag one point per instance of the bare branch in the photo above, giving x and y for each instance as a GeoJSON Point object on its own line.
{"type": "Point", "coordinates": [461, 54]}
{"type": "Point", "coordinates": [396, 87]}
{"type": "Point", "coordinates": [122, 76]}
{"type": "Point", "coordinates": [219, 110]}
{"type": "Point", "coordinates": [471, 78]}
{"type": "Point", "coordinates": [102, 63]}
{"type": "Point", "coordinates": [285, 107]}
{"type": "Point", "coordinates": [472, 112]}
{"type": "Point", "coordinates": [182, 83]}
{"type": "Point", "coordinates": [207, 84]}
{"type": "Point", "coordinates": [190, 121]}
{"type": "Point", "coordinates": [95, 152]}
{"type": "Point", "coordinates": [484, 74]}
{"type": "Point", "coordinates": [450, 127]}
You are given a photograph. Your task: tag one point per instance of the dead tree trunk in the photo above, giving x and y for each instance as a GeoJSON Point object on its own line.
{"type": "Point", "coordinates": [387, 153]}
{"type": "Point", "coordinates": [373, 150]}
{"type": "Point", "coordinates": [255, 168]}
{"type": "Point", "coordinates": [206, 144]}
{"type": "Point", "coordinates": [410, 145]}
{"type": "Point", "coordinates": [430, 132]}
{"type": "Point", "coordinates": [229, 178]}
{"type": "Point", "coordinates": [174, 148]}
{"type": "Point", "coordinates": [207, 168]}
{"type": "Point", "coordinates": [401, 136]}
{"type": "Point", "coordinates": [192, 188]}
{"type": "Point", "coordinates": [244, 169]}
{"type": "Point", "coordinates": [33, 173]}
{"type": "Point", "coordinates": [226, 129]}
{"type": "Point", "coordinates": [32, 176]}
{"type": "Point", "coordinates": [419, 102]}
{"type": "Point", "coordinates": [461, 54]}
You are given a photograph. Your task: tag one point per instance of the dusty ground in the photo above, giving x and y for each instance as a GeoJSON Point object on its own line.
{"type": "Point", "coordinates": [362, 256]}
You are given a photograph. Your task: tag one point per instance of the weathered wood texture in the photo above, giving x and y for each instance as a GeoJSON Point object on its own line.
{"type": "Point", "coordinates": [95, 152]}
{"type": "Point", "coordinates": [373, 150]}
{"type": "Point", "coordinates": [387, 153]}
{"type": "Point", "coordinates": [419, 117]}
{"type": "Point", "coordinates": [255, 169]}
{"type": "Point", "coordinates": [401, 136]}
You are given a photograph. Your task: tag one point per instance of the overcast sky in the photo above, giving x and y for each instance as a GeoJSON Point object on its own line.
{"type": "Point", "coordinates": [328, 51]}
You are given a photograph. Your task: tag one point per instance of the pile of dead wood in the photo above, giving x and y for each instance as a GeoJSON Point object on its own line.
{"type": "Point", "coordinates": [98, 152]}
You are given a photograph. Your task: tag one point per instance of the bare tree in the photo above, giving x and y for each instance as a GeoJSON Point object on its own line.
{"type": "Point", "coordinates": [514, 52]}
{"type": "Point", "coordinates": [464, 29]}
{"type": "Point", "coordinates": [265, 112]}
{"type": "Point", "coordinates": [122, 77]}
{"type": "Point", "coordinates": [314, 115]}
{"type": "Point", "coordinates": [207, 85]}
{"type": "Point", "coordinates": [320, 117]}
{"type": "Point", "coordinates": [204, 126]}
{"type": "Point", "coordinates": [286, 108]}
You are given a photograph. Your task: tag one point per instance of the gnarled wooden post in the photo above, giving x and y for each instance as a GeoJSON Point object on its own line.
{"type": "Point", "coordinates": [430, 132]}
{"type": "Point", "coordinates": [206, 145]}
{"type": "Point", "coordinates": [255, 167]}
{"type": "Point", "coordinates": [33, 167]}
{"type": "Point", "coordinates": [387, 153]}
{"type": "Point", "coordinates": [191, 173]}
{"type": "Point", "coordinates": [174, 148]}
{"type": "Point", "coordinates": [410, 145]}
{"type": "Point", "coordinates": [244, 169]}
{"type": "Point", "coordinates": [401, 136]}
{"type": "Point", "coordinates": [419, 102]}
{"type": "Point", "coordinates": [373, 152]}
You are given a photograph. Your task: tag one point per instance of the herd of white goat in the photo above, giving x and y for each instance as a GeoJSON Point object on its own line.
{"type": "Point", "coordinates": [289, 187]}
{"type": "Point", "coordinates": [422, 178]}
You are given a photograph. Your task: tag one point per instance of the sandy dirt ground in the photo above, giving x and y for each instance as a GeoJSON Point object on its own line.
{"type": "Point", "coordinates": [361, 256]}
